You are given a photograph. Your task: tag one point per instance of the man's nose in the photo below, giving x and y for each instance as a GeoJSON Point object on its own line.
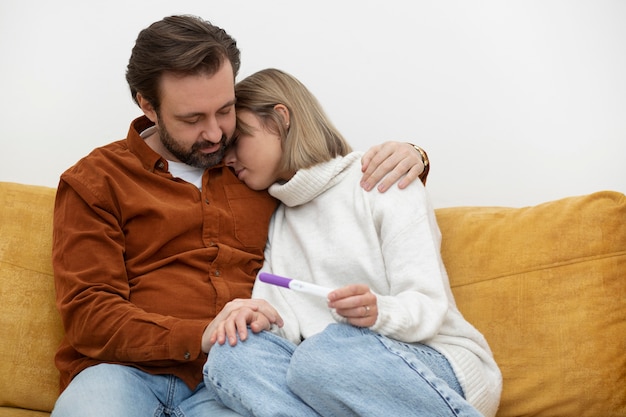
{"type": "Point", "coordinates": [212, 131]}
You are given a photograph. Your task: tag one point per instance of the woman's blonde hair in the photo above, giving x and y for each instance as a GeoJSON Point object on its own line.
{"type": "Point", "coordinates": [310, 138]}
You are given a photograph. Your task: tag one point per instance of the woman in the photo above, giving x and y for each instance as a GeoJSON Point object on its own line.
{"type": "Point", "coordinates": [389, 340]}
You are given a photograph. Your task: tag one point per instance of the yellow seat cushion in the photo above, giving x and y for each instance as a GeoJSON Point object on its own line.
{"type": "Point", "coordinates": [546, 285]}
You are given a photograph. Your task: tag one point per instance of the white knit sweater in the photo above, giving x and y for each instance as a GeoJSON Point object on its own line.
{"type": "Point", "coordinates": [331, 232]}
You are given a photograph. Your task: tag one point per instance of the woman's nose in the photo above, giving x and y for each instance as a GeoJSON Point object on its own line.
{"type": "Point", "coordinates": [230, 158]}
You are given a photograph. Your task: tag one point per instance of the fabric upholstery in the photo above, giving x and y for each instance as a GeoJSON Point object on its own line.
{"type": "Point", "coordinates": [547, 287]}
{"type": "Point", "coordinates": [30, 325]}
{"type": "Point", "coordinates": [545, 284]}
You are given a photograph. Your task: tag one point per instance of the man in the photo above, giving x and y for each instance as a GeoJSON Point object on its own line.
{"type": "Point", "coordinates": [156, 242]}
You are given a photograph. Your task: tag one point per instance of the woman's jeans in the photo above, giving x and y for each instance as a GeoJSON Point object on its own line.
{"type": "Point", "coordinates": [342, 371]}
{"type": "Point", "coordinates": [108, 390]}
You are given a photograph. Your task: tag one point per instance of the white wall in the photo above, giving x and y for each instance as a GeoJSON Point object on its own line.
{"type": "Point", "coordinates": [516, 102]}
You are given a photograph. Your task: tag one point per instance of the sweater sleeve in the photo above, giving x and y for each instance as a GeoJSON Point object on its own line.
{"type": "Point", "coordinates": [415, 305]}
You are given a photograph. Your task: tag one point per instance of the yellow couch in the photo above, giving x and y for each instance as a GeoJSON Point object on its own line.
{"type": "Point", "coordinates": [545, 284]}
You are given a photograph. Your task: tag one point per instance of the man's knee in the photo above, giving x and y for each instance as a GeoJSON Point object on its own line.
{"type": "Point", "coordinates": [100, 390]}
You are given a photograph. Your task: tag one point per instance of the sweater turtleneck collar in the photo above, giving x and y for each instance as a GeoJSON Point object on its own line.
{"type": "Point", "coordinates": [308, 183]}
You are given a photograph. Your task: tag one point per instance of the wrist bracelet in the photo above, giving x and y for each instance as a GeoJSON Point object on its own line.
{"type": "Point", "coordinates": [425, 161]}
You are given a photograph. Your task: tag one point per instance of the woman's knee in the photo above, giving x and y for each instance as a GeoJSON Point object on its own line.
{"type": "Point", "coordinates": [223, 358]}
{"type": "Point", "coordinates": [247, 355]}
{"type": "Point", "coordinates": [328, 358]}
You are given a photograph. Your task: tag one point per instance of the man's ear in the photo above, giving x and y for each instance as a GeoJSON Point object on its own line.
{"type": "Point", "coordinates": [147, 108]}
{"type": "Point", "coordinates": [284, 112]}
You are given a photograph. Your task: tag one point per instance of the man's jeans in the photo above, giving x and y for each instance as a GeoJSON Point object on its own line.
{"type": "Point", "coordinates": [343, 371]}
{"type": "Point", "coordinates": [114, 390]}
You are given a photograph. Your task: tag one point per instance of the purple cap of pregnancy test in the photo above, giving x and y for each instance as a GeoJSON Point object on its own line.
{"type": "Point", "coordinates": [274, 279]}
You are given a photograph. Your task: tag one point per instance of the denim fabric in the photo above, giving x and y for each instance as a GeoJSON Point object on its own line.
{"type": "Point", "coordinates": [107, 390]}
{"type": "Point", "coordinates": [343, 371]}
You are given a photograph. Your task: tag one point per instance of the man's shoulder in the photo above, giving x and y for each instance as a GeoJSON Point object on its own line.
{"type": "Point", "coordinates": [118, 154]}
{"type": "Point", "coordinates": [105, 171]}
{"type": "Point", "coordinates": [101, 158]}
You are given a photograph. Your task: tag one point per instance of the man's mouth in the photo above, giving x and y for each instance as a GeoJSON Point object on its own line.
{"type": "Point", "coordinates": [210, 149]}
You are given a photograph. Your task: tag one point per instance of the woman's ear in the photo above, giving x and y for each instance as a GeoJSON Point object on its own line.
{"type": "Point", "coordinates": [147, 108]}
{"type": "Point", "coordinates": [284, 112]}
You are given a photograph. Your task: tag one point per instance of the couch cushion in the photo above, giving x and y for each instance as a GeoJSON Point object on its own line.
{"type": "Point", "coordinates": [30, 323]}
{"type": "Point", "coordinates": [546, 285]}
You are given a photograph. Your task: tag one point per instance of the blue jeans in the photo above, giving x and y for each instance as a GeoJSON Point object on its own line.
{"type": "Point", "coordinates": [342, 371]}
{"type": "Point", "coordinates": [107, 390]}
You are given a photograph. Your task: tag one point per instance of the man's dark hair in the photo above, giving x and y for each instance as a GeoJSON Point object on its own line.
{"type": "Point", "coordinates": [179, 44]}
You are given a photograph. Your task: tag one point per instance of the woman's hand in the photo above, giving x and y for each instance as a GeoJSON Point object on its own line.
{"type": "Point", "coordinates": [390, 161]}
{"type": "Point", "coordinates": [234, 320]}
{"type": "Point", "coordinates": [356, 303]}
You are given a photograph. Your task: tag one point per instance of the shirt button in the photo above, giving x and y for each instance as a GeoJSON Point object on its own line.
{"type": "Point", "coordinates": [217, 273]}
{"type": "Point", "coordinates": [187, 356]}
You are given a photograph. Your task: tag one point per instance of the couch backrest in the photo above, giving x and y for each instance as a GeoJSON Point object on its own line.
{"type": "Point", "coordinates": [546, 285]}
{"type": "Point", "coordinates": [29, 322]}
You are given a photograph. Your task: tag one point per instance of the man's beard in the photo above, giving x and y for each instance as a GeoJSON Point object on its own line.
{"type": "Point", "coordinates": [194, 156]}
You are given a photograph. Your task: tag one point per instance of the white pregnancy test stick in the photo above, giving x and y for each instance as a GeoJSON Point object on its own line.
{"type": "Point", "coordinates": [294, 284]}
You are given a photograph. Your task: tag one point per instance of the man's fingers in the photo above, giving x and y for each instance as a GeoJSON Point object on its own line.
{"type": "Point", "coordinates": [404, 169]}
{"type": "Point", "coordinates": [389, 163]}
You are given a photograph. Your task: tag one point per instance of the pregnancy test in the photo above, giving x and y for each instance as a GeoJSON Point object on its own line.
{"type": "Point", "coordinates": [294, 284]}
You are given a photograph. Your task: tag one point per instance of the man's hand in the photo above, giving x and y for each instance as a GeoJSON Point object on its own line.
{"type": "Point", "coordinates": [356, 303]}
{"type": "Point", "coordinates": [390, 161]}
{"type": "Point", "coordinates": [234, 320]}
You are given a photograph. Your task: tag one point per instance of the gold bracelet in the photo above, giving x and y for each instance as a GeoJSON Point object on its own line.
{"type": "Point", "coordinates": [425, 161]}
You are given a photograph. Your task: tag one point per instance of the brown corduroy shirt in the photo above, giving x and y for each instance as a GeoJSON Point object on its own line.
{"type": "Point", "coordinates": [144, 261]}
